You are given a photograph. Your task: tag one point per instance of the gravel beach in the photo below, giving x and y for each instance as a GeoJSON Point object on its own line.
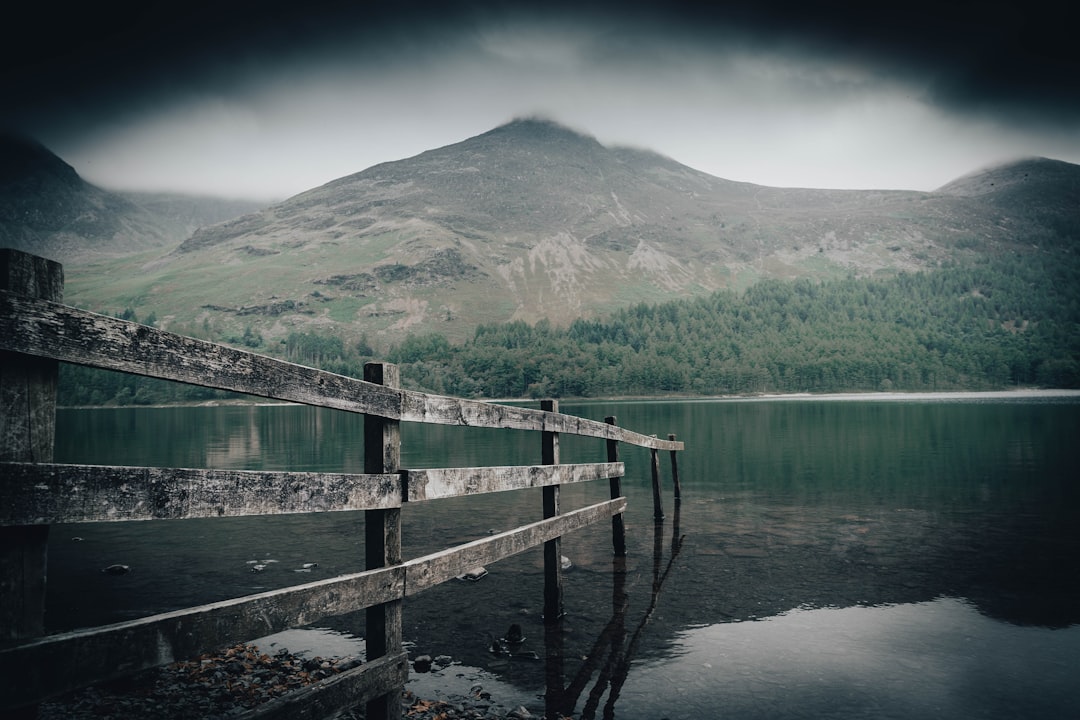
{"type": "Point", "coordinates": [225, 684]}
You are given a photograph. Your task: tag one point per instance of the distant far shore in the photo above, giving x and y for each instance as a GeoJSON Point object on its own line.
{"type": "Point", "coordinates": [1016, 394]}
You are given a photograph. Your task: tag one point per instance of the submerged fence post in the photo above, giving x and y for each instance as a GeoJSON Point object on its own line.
{"type": "Point", "coordinates": [382, 538]}
{"type": "Point", "coordinates": [618, 527]}
{"type": "Point", "coordinates": [553, 592]}
{"type": "Point", "coordinates": [675, 471]}
{"type": "Point", "coordinates": [657, 500]}
{"type": "Point", "coordinates": [27, 434]}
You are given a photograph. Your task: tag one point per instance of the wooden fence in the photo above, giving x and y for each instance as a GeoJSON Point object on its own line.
{"type": "Point", "coordinates": [37, 332]}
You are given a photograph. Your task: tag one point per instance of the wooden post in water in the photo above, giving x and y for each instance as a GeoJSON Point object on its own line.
{"type": "Point", "coordinates": [618, 527]}
{"type": "Point", "coordinates": [675, 471]}
{"type": "Point", "coordinates": [27, 434]}
{"type": "Point", "coordinates": [382, 538]}
{"type": "Point", "coordinates": [657, 500]}
{"type": "Point", "coordinates": [553, 592]}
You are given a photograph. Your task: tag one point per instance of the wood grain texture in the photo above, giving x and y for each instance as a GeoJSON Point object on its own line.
{"type": "Point", "coordinates": [430, 570]}
{"type": "Point", "coordinates": [43, 494]}
{"type": "Point", "coordinates": [436, 409]}
{"type": "Point", "coordinates": [435, 483]}
{"type": "Point", "coordinates": [52, 330]}
{"type": "Point", "coordinates": [27, 434]}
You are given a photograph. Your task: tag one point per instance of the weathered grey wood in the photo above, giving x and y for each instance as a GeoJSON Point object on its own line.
{"type": "Point", "coordinates": [36, 331]}
{"type": "Point", "coordinates": [553, 589]}
{"type": "Point", "coordinates": [382, 539]}
{"type": "Point", "coordinates": [46, 493]}
{"type": "Point", "coordinates": [618, 528]}
{"type": "Point", "coordinates": [337, 693]}
{"type": "Point", "coordinates": [657, 498]}
{"type": "Point", "coordinates": [54, 664]}
{"type": "Point", "coordinates": [435, 483]}
{"type": "Point", "coordinates": [430, 570]}
{"type": "Point", "coordinates": [51, 330]}
{"type": "Point", "coordinates": [441, 410]}
{"type": "Point", "coordinates": [27, 434]}
{"type": "Point", "coordinates": [675, 472]}
{"type": "Point", "coordinates": [30, 275]}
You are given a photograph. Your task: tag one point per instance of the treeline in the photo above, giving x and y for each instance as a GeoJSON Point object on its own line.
{"type": "Point", "coordinates": [1001, 322]}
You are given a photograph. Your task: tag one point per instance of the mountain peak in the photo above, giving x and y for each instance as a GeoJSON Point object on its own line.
{"type": "Point", "coordinates": [23, 159]}
{"type": "Point", "coordinates": [530, 130]}
{"type": "Point", "coordinates": [537, 126]}
{"type": "Point", "coordinates": [1009, 175]}
{"type": "Point", "coordinates": [1035, 187]}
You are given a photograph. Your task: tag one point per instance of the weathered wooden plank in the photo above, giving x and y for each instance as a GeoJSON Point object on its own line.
{"type": "Point", "coordinates": [326, 698]}
{"type": "Point", "coordinates": [50, 665]}
{"type": "Point", "coordinates": [430, 570]}
{"type": "Point", "coordinates": [60, 332]}
{"type": "Point", "coordinates": [52, 330]}
{"type": "Point", "coordinates": [435, 483]}
{"type": "Point", "coordinates": [441, 410]}
{"type": "Point", "coordinates": [35, 494]}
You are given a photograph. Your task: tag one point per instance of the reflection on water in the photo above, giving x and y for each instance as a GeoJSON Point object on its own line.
{"type": "Point", "coordinates": [884, 559]}
{"type": "Point", "coordinates": [935, 659]}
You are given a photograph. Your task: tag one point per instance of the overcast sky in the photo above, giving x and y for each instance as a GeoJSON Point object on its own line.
{"type": "Point", "coordinates": [265, 100]}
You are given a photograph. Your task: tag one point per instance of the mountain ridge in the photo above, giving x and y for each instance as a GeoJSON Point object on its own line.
{"type": "Point", "coordinates": [48, 209]}
{"type": "Point", "coordinates": [532, 220]}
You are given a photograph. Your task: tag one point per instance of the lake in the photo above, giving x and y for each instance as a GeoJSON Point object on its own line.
{"type": "Point", "coordinates": [892, 557]}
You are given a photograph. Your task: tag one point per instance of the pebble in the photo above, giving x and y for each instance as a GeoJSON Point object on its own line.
{"type": "Point", "coordinates": [221, 685]}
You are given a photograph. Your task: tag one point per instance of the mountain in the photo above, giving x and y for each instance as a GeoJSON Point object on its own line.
{"type": "Point", "coordinates": [182, 215]}
{"type": "Point", "coordinates": [533, 220]}
{"type": "Point", "coordinates": [46, 208]}
{"type": "Point", "coordinates": [1036, 192]}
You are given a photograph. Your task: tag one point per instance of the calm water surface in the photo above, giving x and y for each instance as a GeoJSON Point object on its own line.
{"type": "Point", "coordinates": [892, 559]}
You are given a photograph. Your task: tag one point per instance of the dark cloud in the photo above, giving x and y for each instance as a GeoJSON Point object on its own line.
{"type": "Point", "coordinates": [269, 98]}
{"type": "Point", "coordinates": [1016, 60]}
{"type": "Point", "coordinates": [1013, 59]}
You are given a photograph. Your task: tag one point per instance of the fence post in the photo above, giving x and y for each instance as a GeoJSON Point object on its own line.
{"type": "Point", "coordinates": [675, 471]}
{"type": "Point", "coordinates": [657, 500]}
{"type": "Point", "coordinates": [27, 434]}
{"type": "Point", "coordinates": [553, 592]}
{"type": "Point", "coordinates": [382, 538]}
{"type": "Point", "coordinates": [618, 528]}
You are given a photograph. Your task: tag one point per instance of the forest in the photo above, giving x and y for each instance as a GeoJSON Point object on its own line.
{"type": "Point", "coordinates": [1003, 321]}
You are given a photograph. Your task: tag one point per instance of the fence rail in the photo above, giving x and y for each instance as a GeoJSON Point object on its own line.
{"type": "Point", "coordinates": [37, 331]}
{"type": "Point", "coordinates": [52, 330]}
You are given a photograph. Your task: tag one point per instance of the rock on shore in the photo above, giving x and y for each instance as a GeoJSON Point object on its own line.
{"type": "Point", "coordinates": [222, 685]}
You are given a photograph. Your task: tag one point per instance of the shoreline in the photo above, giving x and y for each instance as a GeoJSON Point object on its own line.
{"type": "Point", "coordinates": [890, 396]}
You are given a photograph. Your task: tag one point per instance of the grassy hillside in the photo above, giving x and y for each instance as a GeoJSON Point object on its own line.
{"type": "Point", "coordinates": [1002, 322]}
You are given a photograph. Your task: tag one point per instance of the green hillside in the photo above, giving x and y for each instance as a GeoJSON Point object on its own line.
{"type": "Point", "coordinates": [997, 323]}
